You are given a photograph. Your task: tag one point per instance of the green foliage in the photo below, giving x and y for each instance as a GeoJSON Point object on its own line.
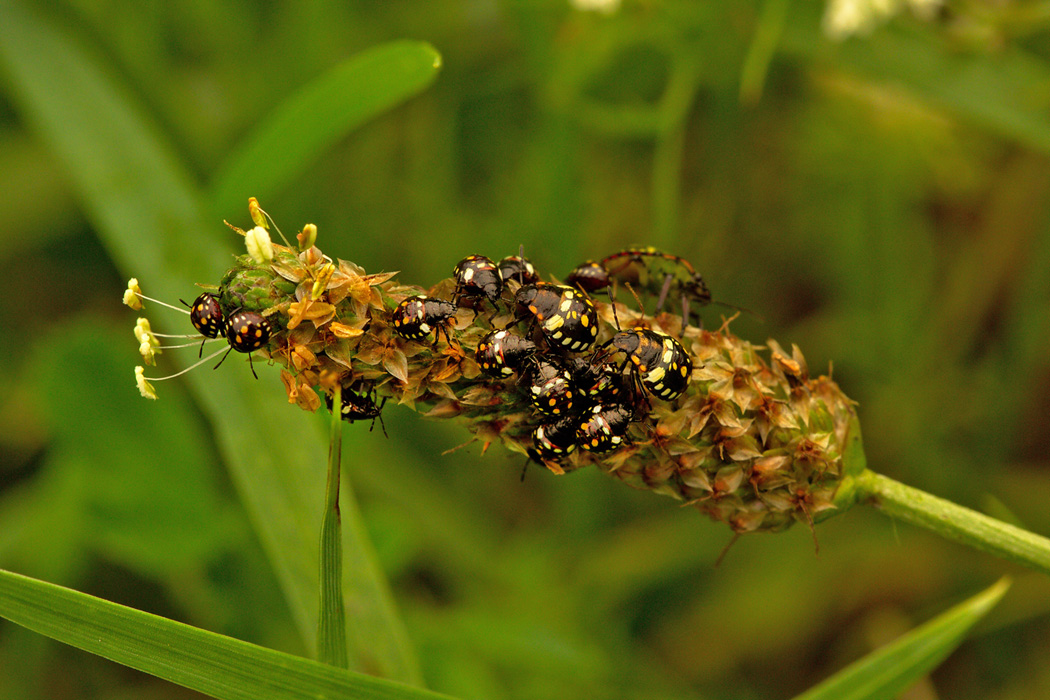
{"type": "Point", "coordinates": [221, 667]}
{"type": "Point", "coordinates": [886, 673]}
{"type": "Point", "coordinates": [879, 201]}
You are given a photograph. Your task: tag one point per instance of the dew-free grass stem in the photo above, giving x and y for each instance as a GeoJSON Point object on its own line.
{"type": "Point", "coordinates": [953, 521]}
{"type": "Point", "coordinates": [331, 623]}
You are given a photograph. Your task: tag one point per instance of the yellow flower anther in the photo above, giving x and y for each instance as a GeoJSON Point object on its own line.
{"type": "Point", "coordinates": [257, 241]}
{"type": "Point", "coordinates": [145, 388]}
{"type": "Point", "coordinates": [149, 347]}
{"type": "Point", "coordinates": [323, 278]}
{"type": "Point", "coordinates": [148, 353]}
{"type": "Point", "coordinates": [132, 294]}
{"type": "Point", "coordinates": [307, 237]}
{"type": "Point", "coordinates": [143, 332]}
{"type": "Point", "coordinates": [258, 215]}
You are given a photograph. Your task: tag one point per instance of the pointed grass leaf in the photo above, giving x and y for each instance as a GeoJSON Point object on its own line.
{"type": "Point", "coordinates": [218, 666]}
{"type": "Point", "coordinates": [153, 219]}
{"type": "Point", "coordinates": [888, 671]}
{"type": "Point", "coordinates": [322, 113]}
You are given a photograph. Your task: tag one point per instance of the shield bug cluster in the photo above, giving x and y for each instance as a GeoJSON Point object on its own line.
{"type": "Point", "coordinates": [579, 397]}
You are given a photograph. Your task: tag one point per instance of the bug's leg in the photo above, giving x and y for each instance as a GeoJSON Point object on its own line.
{"type": "Point", "coordinates": [223, 358]}
{"type": "Point", "coordinates": [668, 278]}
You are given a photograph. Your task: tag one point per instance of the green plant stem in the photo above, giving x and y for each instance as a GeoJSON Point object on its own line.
{"type": "Point", "coordinates": [768, 30]}
{"type": "Point", "coordinates": [953, 521]}
{"type": "Point", "coordinates": [331, 623]}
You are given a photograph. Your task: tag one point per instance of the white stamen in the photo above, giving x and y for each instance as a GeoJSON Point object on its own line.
{"type": "Point", "coordinates": [162, 303]}
{"type": "Point", "coordinates": [195, 365]}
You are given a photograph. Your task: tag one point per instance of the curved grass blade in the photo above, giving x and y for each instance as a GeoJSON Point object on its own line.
{"type": "Point", "coordinates": [322, 113]}
{"type": "Point", "coordinates": [886, 672]}
{"type": "Point", "coordinates": [152, 218]}
{"type": "Point", "coordinates": [219, 666]}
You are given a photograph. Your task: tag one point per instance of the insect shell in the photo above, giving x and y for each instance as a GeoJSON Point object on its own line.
{"type": "Point", "coordinates": [599, 381]}
{"type": "Point", "coordinates": [247, 331]}
{"type": "Point", "coordinates": [414, 318]}
{"type": "Point", "coordinates": [357, 407]}
{"type": "Point", "coordinates": [589, 277]}
{"type": "Point", "coordinates": [551, 389]}
{"type": "Point", "coordinates": [477, 277]}
{"type": "Point", "coordinates": [553, 441]}
{"type": "Point", "coordinates": [604, 427]}
{"type": "Point", "coordinates": [516, 267]}
{"type": "Point", "coordinates": [656, 272]}
{"type": "Point", "coordinates": [206, 316]}
{"type": "Point", "coordinates": [502, 353]}
{"type": "Point", "coordinates": [659, 361]}
{"type": "Point", "coordinates": [565, 316]}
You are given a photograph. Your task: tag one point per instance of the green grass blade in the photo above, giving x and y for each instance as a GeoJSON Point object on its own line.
{"type": "Point", "coordinates": [886, 672]}
{"type": "Point", "coordinates": [308, 123]}
{"type": "Point", "coordinates": [331, 624]}
{"type": "Point", "coordinates": [210, 663]}
{"type": "Point", "coordinates": [152, 218]}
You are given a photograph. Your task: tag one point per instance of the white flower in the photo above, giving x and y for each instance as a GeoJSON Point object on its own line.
{"type": "Point", "coordinates": [604, 6]}
{"type": "Point", "coordinates": [844, 18]}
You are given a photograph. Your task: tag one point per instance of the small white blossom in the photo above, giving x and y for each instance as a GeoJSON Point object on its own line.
{"type": "Point", "coordinates": [604, 6]}
{"type": "Point", "coordinates": [845, 18]}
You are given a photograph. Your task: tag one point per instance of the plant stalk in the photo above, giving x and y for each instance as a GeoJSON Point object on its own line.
{"type": "Point", "coordinates": [953, 521]}
{"type": "Point", "coordinates": [331, 623]}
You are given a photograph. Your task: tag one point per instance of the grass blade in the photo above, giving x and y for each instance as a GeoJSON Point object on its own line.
{"type": "Point", "coordinates": [308, 123]}
{"type": "Point", "coordinates": [886, 672]}
{"type": "Point", "coordinates": [152, 218]}
{"type": "Point", "coordinates": [210, 663]}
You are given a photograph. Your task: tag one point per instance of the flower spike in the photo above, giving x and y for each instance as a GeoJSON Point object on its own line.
{"type": "Point", "coordinates": [702, 416]}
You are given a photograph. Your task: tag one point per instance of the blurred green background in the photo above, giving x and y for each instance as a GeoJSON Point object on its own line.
{"type": "Point", "coordinates": [880, 200]}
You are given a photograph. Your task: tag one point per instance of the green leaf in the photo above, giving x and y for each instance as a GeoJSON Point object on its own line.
{"type": "Point", "coordinates": [322, 113]}
{"type": "Point", "coordinates": [128, 510]}
{"type": "Point", "coordinates": [886, 672]}
{"type": "Point", "coordinates": [152, 218]}
{"type": "Point", "coordinates": [210, 663]}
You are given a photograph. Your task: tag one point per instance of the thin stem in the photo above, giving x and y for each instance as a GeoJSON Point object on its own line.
{"type": "Point", "coordinates": [953, 521]}
{"type": "Point", "coordinates": [760, 53]}
{"type": "Point", "coordinates": [331, 623]}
